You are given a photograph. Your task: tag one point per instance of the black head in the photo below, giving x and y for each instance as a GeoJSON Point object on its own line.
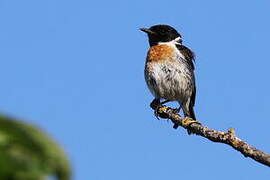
{"type": "Point", "coordinates": [161, 33]}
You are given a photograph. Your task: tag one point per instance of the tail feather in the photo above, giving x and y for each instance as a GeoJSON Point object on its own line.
{"type": "Point", "coordinates": [191, 113]}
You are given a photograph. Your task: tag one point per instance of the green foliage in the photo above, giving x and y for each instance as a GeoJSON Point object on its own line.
{"type": "Point", "coordinates": [26, 153]}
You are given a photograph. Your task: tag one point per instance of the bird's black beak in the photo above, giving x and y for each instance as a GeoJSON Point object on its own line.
{"type": "Point", "coordinates": [146, 30]}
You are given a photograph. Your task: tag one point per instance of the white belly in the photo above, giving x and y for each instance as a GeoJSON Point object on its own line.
{"type": "Point", "coordinates": [170, 81]}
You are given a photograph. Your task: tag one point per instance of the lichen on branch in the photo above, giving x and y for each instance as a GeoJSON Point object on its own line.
{"type": "Point", "coordinates": [229, 137]}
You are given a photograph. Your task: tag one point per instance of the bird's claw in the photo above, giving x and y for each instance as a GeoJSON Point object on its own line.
{"type": "Point", "coordinates": [176, 110]}
{"type": "Point", "coordinates": [159, 109]}
{"type": "Point", "coordinates": [156, 112]}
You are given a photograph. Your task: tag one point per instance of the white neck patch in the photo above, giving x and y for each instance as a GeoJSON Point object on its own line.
{"type": "Point", "coordinates": [173, 42]}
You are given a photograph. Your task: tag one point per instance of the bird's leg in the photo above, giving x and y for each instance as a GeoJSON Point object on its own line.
{"type": "Point", "coordinates": [177, 110]}
{"type": "Point", "coordinates": [155, 104]}
{"type": "Point", "coordinates": [164, 102]}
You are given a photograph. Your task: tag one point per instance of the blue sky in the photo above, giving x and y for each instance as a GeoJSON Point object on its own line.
{"type": "Point", "coordinates": [75, 68]}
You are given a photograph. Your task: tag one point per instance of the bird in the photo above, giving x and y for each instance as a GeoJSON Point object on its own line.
{"type": "Point", "coordinates": [169, 69]}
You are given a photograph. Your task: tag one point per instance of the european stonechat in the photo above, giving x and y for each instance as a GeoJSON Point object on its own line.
{"type": "Point", "coordinates": [169, 69]}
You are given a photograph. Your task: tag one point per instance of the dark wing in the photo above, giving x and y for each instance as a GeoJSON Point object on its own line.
{"type": "Point", "coordinates": [190, 58]}
{"type": "Point", "coordinates": [193, 95]}
{"type": "Point", "coordinates": [189, 55]}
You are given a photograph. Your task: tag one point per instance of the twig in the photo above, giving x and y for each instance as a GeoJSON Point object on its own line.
{"type": "Point", "coordinates": [213, 135]}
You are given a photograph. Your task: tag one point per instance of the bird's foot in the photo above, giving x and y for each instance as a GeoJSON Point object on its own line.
{"type": "Point", "coordinates": [155, 104]}
{"type": "Point", "coordinates": [159, 109]}
{"type": "Point", "coordinates": [176, 110]}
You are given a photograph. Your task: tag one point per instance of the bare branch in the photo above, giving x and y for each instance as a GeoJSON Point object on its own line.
{"type": "Point", "coordinates": [213, 135]}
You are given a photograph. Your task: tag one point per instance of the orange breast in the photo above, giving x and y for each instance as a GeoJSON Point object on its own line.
{"type": "Point", "coordinates": [161, 52]}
